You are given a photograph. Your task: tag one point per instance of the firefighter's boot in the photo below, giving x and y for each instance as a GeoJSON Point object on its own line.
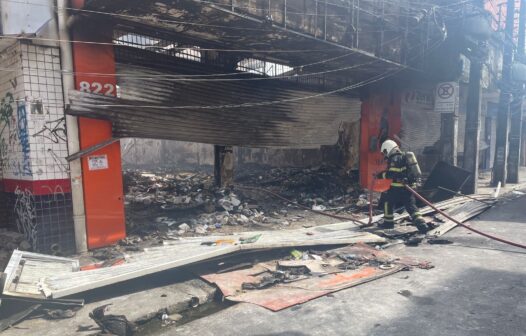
{"type": "Point", "coordinates": [386, 224]}
{"type": "Point", "coordinates": [420, 224]}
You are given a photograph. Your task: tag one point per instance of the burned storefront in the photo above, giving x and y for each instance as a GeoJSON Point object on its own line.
{"type": "Point", "coordinates": [287, 77]}
{"type": "Point", "coordinates": [161, 161]}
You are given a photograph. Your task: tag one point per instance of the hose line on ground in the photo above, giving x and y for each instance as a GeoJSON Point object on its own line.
{"type": "Point", "coordinates": [417, 195]}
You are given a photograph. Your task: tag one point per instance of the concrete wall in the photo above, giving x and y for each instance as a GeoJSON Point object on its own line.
{"type": "Point", "coordinates": [14, 138]}
{"type": "Point", "coordinates": [32, 123]}
{"type": "Point", "coordinates": [34, 172]}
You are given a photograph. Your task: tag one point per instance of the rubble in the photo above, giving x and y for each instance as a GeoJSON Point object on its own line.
{"type": "Point", "coordinates": [169, 191]}
{"type": "Point", "coordinates": [306, 274]}
{"type": "Point", "coordinates": [112, 324]}
{"type": "Point", "coordinates": [187, 203]}
{"type": "Point", "coordinates": [191, 200]}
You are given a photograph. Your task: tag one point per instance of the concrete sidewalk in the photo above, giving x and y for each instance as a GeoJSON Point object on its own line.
{"type": "Point", "coordinates": [140, 306]}
{"type": "Point", "coordinates": [486, 188]}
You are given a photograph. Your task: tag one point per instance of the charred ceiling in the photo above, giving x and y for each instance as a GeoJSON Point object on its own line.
{"type": "Point", "coordinates": [330, 49]}
{"type": "Point", "coordinates": [363, 30]}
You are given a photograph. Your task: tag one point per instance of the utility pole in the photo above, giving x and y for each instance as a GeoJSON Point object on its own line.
{"type": "Point", "coordinates": [75, 167]}
{"type": "Point", "coordinates": [501, 152]}
{"type": "Point", "coordinates": [472, 134]}
{"type": "Point", "coordinates": [516, 107]}
{"type": "Point", "coordinates": [477, 57]}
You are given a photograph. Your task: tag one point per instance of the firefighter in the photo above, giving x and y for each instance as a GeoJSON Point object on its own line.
{"type": "Point", "coordinates": [402, 169]}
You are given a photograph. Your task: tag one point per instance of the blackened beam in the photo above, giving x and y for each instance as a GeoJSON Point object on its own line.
{"type": "Point", "coordinates": [303, 35]}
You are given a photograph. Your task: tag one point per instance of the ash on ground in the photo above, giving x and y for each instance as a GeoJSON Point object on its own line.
{"type": "Point", "coordinates": [173, 204]}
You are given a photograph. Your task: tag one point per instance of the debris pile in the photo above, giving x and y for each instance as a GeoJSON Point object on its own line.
{"type": "Point", "coordinates": [304, 275]}
{"type": "Point", "coordinates": [9, 241]}
{"type": "Point", "coordinates": [184, 203]}
{"type": "Point", "coordinates": [323, 187]}
{"type": "Point", "coordinates": [300, 265]}
{"type": "Point", "coordinates": [189, 203]}
{"type": "Point", "coordinates": [168, 191]}
{"type": "Point", "coordinates": [112, 324]}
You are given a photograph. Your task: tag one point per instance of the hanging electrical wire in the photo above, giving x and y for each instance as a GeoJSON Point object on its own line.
{"type": "Point", "coordinates": [45, 39]}
{"type": "Point", "coordinates": [264, 103]}
{"type": "Point", "coordinates": [172, 77]}
{"type": "Point", "coordinates": [280, 77]}
{"type": "Point", "coordinates": [267, 103]}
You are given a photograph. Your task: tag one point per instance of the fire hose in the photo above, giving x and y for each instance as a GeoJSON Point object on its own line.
{"type": "Point", "coordinates": [417, 195]}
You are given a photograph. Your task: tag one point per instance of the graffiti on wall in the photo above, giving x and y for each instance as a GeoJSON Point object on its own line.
{"type": "Point", "coordinates": [25, 215]}
{"type": "Point", "coordinates": [6, 111]}
{"type": "Point", "coordinates": [57, 192]}
{"type": "Point", "coordinates": [54, 130]}
{"type": "Point", "coordinates": [23, 137]}
{"type": "Point", "coordinates": [6, 119]}
{"type": "Point", "coordinates": [14, 137]}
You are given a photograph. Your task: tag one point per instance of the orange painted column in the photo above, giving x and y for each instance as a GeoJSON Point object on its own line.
{"type": "Point", "coordinates": [101, 170]}
{"type": "Point", "coordinates": [377, 107]}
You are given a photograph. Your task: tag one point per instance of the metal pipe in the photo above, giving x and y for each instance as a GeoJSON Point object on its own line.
{"type": "Point", "coordinates": [316, 20]}
{"type": "Point", "coordinates": [89, 150]}
{"type": "Point", "coordinates": [521, 44]}
{"type": "Point", "coordinates": [353, 23]}
{"type": "Point", "coordinates": [458, 193]}
{"type": "Point", "coordinates": [75, 167]}
{"type": "Point", "coordinates": [357, 23]}
{"type": "Point", "coordinates": [285, 14]}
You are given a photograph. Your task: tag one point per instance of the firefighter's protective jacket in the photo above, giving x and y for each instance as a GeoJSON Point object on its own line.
{"type": "Point", "coordinates": [397, 170]}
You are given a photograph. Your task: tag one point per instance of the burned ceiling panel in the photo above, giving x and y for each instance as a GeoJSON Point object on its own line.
{"type": "Point", "coordinates": [295, 32]}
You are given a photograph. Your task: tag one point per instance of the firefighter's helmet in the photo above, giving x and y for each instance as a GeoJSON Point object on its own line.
{"type": "Point", "coordinates": [387, 147]}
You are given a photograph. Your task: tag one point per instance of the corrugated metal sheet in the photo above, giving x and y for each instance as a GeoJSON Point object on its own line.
{"type": "Point", "coordinates": [179, 253]}
{"type": "Point", "coordinates": [302, 124]}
